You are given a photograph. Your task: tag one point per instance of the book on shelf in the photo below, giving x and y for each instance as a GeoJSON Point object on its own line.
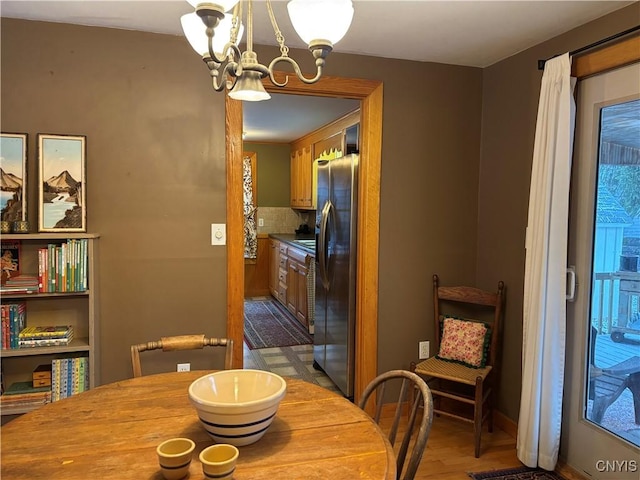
{"type": "Point", "coordinates": [24, 394]}
{"type": "Point", "coordinates": [47, 331]}
{"type": "Point", "coordinates": [10, 262]}
{"type": "Point", "coordinates": [20, 388]}
{"type": "Point", "coordinates": [46, 342]}
{"type": "Point", "coordinates": [20, 284]}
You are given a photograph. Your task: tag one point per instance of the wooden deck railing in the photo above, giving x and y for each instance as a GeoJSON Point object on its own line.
{"type": "Point", "coordinates": [611, 299]}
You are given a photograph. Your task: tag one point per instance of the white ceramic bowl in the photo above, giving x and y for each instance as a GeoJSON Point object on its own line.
{"type": "Point", "coordinates": [237, 406]}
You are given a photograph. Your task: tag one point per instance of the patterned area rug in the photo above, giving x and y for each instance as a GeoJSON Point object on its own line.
{"type": "Point", "coordinates": [268, 324]}
{"type": "Point", "coordinates": [523, 473]}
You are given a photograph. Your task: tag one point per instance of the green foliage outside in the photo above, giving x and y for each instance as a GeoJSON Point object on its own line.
{"type": "Point", "coordinates": [623, 181]}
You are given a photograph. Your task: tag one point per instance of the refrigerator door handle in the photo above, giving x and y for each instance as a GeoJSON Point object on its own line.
{"type": "Point", "coordinates": [322, 244]}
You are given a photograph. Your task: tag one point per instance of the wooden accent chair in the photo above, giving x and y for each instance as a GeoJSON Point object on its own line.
{"type": "Point", "coordinates": [181, 342]}
{"type": "Point", "coordinates": [410, 382]}
{"type": "Point", "coordinates": [467, 376]}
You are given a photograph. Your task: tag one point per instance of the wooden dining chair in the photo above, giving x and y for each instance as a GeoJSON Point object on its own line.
{"type": "Point", "coordinates": [181, 342]}
{"type": "Point", "coordinates": [465, 371]}
{"type": "Point", "coordinates": [408, 383]}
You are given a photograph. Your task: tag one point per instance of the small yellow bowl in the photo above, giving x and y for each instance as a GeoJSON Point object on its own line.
{"type": "Point", "coordinates": [219, 461]}
{"type": "Point", "coordinates": [174, 456]}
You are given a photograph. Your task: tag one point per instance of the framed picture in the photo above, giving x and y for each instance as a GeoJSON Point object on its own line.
{"type": "Point", "coordinates": [13, 163]}
{"type": "Point", "coordinates": [62, 183]}
{"type": "Point", "coordinates": [10, 259]}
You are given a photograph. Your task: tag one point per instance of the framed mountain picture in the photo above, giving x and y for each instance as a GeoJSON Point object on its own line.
{"type": "Point", "coordinates": [13, 173]}
{"type": "Point", "coordinates": [62, 183]}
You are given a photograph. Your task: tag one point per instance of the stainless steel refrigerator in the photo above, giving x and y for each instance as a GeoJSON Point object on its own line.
{"type": "Point", "coordinates": [335, 292]}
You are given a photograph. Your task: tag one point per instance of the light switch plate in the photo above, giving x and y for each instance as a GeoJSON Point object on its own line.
{"type": "Point", "coordinates": [218, 234]}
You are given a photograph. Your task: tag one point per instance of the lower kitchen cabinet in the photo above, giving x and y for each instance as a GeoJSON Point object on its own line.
{"type": "Point", "coordinates": [288, 278]}
{"type": "Point", "coordinates": [278, 270]}
{"type": "Point", "coordinates": [274, 262]}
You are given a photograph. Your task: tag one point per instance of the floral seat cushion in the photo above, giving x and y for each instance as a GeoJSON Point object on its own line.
{"type": "Point", "coordinates": [464, 342]}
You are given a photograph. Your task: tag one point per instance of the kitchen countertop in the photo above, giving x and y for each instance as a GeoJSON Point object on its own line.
{"type": "Point", "coordinates": [291, 237]}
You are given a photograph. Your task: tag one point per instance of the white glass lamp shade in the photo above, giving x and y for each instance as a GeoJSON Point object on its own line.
{"type": "Point", "coordinates": [249, 88]}
{"type": "Point", "coordinates": [321, 19]}
{"type": "Point", "coordinates": [225, 4]}
{"type": "Point", "coordinates": [195, 31]}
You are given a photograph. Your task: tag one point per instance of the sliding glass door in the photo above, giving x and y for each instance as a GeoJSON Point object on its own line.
{"type": "Point", "coordinates": [601, 423]}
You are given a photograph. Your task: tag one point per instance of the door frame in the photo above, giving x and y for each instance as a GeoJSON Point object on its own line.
{"type": "Point", "coordinates": [603, 60]}
{"type": "Point", "coordinates": [369, 92]}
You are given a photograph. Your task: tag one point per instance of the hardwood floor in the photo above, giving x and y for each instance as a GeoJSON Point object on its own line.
{"type": "Point", "coordinates": [449, 453]}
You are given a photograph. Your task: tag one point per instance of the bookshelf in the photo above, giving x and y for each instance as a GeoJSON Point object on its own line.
{"type": "Point", "coordinates": [77, 308]}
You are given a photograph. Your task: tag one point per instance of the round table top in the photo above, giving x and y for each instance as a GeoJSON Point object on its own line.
{"type": "Point", "coordinates": [112, 431]}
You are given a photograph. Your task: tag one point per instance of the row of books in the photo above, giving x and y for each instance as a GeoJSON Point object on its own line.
{"type": "Point", "coordinates": [14, 332]}
{"type": "Point", "coordinates": [69, 376]}
{"type": "Point", "coordinates": [63, 268]}
{"type": "Point", "coordinates": [13, 319]}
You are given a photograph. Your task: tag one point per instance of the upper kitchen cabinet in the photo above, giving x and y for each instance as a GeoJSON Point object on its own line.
{"type": "Point", "coordinates": [327, 142]}
{"type": "Point", "coordinates": [301, 182]}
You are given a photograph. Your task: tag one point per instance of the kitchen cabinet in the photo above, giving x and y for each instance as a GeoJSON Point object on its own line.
{"type": "Point", "coordinates": [301, 181]}
{"type": "Point", "coordinates": [330, 147]}
{"type": "Point", "coordinates": [289, 276]}
{"type": "Point", "coordinates": [274, 260]}
{"type": "Point", "coordinates": [297, 275]}
{"type": "Point", "coordinates": [327, 142]}
{"type": "Point", "coordinates": [278, 270]}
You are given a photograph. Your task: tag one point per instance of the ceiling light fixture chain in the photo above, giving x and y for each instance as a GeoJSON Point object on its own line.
{"type": "Point", "coordinates": [320, 23]}
{"type": "Point", "coordinates": [284, 50]}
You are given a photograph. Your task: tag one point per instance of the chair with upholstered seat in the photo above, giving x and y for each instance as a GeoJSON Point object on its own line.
{"type": "Point", "coordinates": [465, 371]}
{"type": "Point", "coordinates": [181, 342]}
{"type": "Point", "coordinates": [408, 383]}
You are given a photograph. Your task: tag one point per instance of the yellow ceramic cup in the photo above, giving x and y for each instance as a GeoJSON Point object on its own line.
{"type": "Point", "coordinates": [174, 456]}
{"type": "Point", "coordinates": [219, 461]}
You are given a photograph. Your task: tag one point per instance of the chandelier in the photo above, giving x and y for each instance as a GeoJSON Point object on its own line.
{"type": "Point", "coordinates": [214, 30]}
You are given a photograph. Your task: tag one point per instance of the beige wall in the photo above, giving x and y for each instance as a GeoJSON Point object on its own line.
{"type": "Point", "coordinates": [155, 169]}
{"type": "Point", "coordinates": [273, 174]}
{"type": "Point", "coordinates": [454, 185]}
{"type": "Point", "coordinates": [156, 175]}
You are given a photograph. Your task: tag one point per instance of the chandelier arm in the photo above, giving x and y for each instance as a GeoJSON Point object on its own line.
{"type": "Point", "coordinates": [230, 51]}
{"type": "Point", "coordinates": [228, 71]}
{"type": "Point", "coordinates": [297, 70]}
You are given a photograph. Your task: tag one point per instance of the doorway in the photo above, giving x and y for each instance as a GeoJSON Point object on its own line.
{"type": "Point", "coordinates": [370, 94]}
{"type": "Point", "coordinates": [595, 442]}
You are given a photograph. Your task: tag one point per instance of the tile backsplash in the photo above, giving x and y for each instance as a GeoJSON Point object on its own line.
{"type": "Point", "coordinates": [283, 219]}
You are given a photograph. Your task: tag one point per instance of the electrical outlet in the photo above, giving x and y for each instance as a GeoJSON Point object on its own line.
{"type": "Point", "coordinates": [184, 367]}
{"type": "Point", "coordinates": [261, 222]}
{"type": "Point", "coordinates": [424, 350]}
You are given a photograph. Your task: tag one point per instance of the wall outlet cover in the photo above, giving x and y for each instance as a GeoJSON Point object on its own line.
{"type": "Point", "coordinates": [184, 367]}
{"type": "Point", "coordinates": [423, 350]}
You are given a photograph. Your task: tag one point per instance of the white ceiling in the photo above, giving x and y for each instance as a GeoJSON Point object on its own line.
{"type": "Point", "coordinates": [473, 33]}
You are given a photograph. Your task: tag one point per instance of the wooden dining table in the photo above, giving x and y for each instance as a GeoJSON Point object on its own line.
{"type": "Point", "coordinates": [112, 431]}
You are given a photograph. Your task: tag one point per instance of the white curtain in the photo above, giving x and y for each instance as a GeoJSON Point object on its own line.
{"type": "Point", "coordinates": [544, 305]}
